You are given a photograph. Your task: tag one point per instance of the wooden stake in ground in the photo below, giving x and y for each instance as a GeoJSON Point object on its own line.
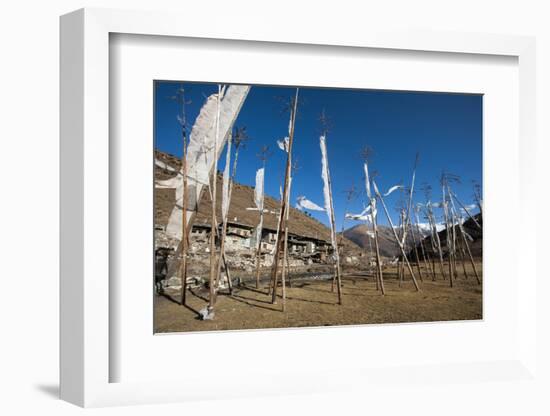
{"type": "Point", "coordinates": [469, 254]}
{"type": "Point", "coordinates": [226, 201]}
{"type": "Point", "coordinates": [369, 215]}
{"type": "Point", "coordinates": [435, 237]}
{"type": "Point", "coordinates": [448, 229]}
{"type": "Point", "coordinates": [425, 254]}
{"type": "Point", "coordinates": [184, 233]}
{"type": "Point", "coordinates": [407, 220]}
{"type": "Point", "coordinates": [381, 199]}
{"type": "Point", "coordinates": [259, 201]}
{"type": "Point", "coordinates": [213, 219]}
{"type": "Point", "coordinates": [377, 247]}
{"type": "Point", "coordinates": [279, 245]}
{"type": "Point", "coordinates": [327, 192]}
{"type": "Point", "coordinates": [454, 221]}
{"type": "Point", "coordinates": [238, 138]}
{"type": "Point", "coordinates": [286, 271]}
{"type": "Point", "coordinates": [401, 235]}
{"type": "Point", "coordinates": [373, 218]}
{"type": "Point", "coordinates": [351, 193]}
{"type": "Point", "coordinates": [467, 246]}
{"type": "Point", "coordinates": [180, 99]}
{"type": "Point", "coordinates": [459, 249]}
{"type": "Point", "coordinates": [413, 234]}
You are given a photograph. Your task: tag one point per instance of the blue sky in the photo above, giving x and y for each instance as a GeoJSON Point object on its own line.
{"type": "Point", "coordinates": [445, 129]}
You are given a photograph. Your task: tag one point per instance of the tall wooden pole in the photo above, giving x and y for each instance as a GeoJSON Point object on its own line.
{"type": "Point", "coordinates": [213, 219]}
{"type": "Point", "coordinates": [463, 258]}
{"type": "Point", "coordinates": [455, 242]}
{"type": "Point", "coordinates": [226, 197]}
{"type": "Point", "coordinates": [285, 247]}
{"type": "Point", "coordinates": [435, 236]}
{"type": "Point", "coordinates": [333, 231]}
{"type": "Point", "coordinates": [283, 269]}
{"type": "Point", "coordinates": [470, 255]}
{"type": "Point", "coordinates": [467, 246]}
{"type": "Point", "coordinates": [396, 237]}
{"type": "Point", "coordinates": [222, 256]}
{"type": "Point", "coordinates": [373, 216]}
{"type": "Point", "coordinates": [184, 234]}
{"type": "Point", "coordinates": [259, 253]}
{"type": "Point", "coordinates": [286, 263]}
{"type": "Point", "coordinates": [448, 234]}
{"type": "Point", "coordinates": [370, 256]}
{"type": "Point", "coordinates": [184, 228]}
{"type": "Point", "coordinates": [407, 221]}
{"type": "Point", "coordinates": [401, 269]}
{"type": "Point", "coordinates": [261, 220]}
{"type": "Point", "coordinates": [416, 250]}
{"type": "Point", "coordinates": [377, 246]}
{"type": "Point", "coordinates": [279, 245]}
{"type": "Point", "coordinates": [425, 255]}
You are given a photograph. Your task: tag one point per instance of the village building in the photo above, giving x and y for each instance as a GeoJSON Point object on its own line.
{"type": "Point", "coordinates": [200, 232]}
{"type": "Point", "coordinates": [309, 240]}
{"type": "Point", "coordinates": [238, 236]}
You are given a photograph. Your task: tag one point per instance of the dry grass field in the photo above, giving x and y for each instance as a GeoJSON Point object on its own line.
{"type": "Point", "coordinates": [311, 303]}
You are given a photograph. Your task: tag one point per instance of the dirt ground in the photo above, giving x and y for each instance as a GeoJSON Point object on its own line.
{"type": "Point", "coordinates": [312, 303]}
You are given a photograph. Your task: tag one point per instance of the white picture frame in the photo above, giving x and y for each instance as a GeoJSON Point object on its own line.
{"type": "Point", "coordinates": [85, 182]}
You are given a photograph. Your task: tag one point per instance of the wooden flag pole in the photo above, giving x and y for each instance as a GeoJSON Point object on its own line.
{"type": "Point", "coordinates": [470, 255]}
{"type": "Point", "coordinates": [329, 207]}
{"type": "Point", "coordinates": [401, 264]}
{"type": "Point", "coordinates": [184, 232]}
{"type": "Point", "coordinates": [259, 246]}
{"type": "Point", "coordinates": [416, 250]}
{"type": "Point", "coordinates": [407, 220]}
{"type": "Point", "coordinates": [285, 247]}
{"type": "Point", "coordinates": [213, 219]}
{"type": "Point", "coordinates": [465, 244]}
{"type": "Point", "coordinates": [337, 254]}
{"type": "Point", "coordinates": [258, 261]}
{"type": "Point", "coordinates": [431, 219]}
{"type": "Point", "coordinates": [425, 255]}
{"type": "Point", "coordinates": [448, 235]}
{"type": "Point", "coordinates": [283, 269]}
{"type": "Point", "coordinates": [396, 237]}
{"type": "Point", "coordinates": [459, 250]}
{"type": "Point", "coordinates": [225, 213]}
{"type": "Point", "coordinates": [377, 247]}
{"type": "Point", "coordinates": [286, 263]}
{"type": "Point", "coordinates": [373, 216]}
{"type": "Point", "coordinates": [279, 245]}
{"type": "Point", "coordinates": [222, 256]}
{"type": "Point", "coordinates": [463, 258]}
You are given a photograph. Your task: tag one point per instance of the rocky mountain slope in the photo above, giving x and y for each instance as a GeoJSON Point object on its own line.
{"type": "Point", "coordinates": [476, 246]}
{"type": "Point", "coordinates": [361, 235]}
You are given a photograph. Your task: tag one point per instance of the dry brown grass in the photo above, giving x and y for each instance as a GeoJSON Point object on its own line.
{"type": "Point", "coordinates": [311, 303]}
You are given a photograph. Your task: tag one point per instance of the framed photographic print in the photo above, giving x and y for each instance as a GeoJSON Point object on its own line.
{"type": "Point", "coordinates": [310, 260]}
{"type": "Point", "coordinates": [335, 218]}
